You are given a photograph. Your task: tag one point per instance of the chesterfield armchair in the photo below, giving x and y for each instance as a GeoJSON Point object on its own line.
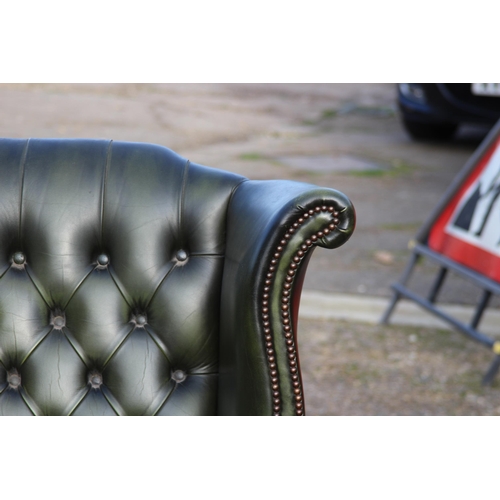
{"type": "Point", "coordinates": [133, 282]}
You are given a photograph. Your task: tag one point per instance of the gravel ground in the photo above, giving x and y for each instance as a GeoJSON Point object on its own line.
{"type": "Point", "coordinates": [357, 369]}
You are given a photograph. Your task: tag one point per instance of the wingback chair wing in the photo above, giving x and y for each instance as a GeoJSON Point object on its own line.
{"type": "Point", "coordinates": [133, 282]}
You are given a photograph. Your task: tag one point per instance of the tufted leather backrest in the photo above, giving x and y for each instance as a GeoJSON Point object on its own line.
{"type": "Point", "coordinates": [111, 260]}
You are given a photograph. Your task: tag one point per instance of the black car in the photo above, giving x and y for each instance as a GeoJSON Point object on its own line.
{"type": "Point", "coordinates": [435, 110]}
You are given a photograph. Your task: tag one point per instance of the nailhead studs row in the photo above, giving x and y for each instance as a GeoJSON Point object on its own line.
{"type": "Point", "coordinates": [286, 324]}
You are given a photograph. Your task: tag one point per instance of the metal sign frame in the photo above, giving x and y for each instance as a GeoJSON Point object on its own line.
{"type": "Point", "coordinates": [420, 249]}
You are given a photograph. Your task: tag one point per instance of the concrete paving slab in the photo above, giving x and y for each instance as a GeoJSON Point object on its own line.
{"type": "Point", "coordinates": [344, 163]}
{"type": "Point", "coordinates": [369, 309]}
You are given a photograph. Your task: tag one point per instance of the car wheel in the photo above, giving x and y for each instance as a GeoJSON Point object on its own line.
{"type": "Point", "coordinates": [430, 131]}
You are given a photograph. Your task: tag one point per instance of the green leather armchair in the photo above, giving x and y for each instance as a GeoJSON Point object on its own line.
{"type": "Point", "coordinates": [133, 282]}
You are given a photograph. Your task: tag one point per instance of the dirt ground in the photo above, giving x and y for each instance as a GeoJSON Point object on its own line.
{"type": "Point", "coordinates": [345, 136]}
{"type": "Point", "coordinates": [357, 369]}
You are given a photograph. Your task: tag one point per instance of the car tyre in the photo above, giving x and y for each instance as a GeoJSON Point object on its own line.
{"type": "Point", "coordinates": [430, 131]}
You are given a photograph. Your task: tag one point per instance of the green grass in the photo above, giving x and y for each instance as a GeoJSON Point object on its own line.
{"type": "Point", "coordinates": [397, 168]}
{"type": "Point", "coordinates": [353, 109]}
{"type": "Point", "coordinates": [251, 156]}
{"type": "Point", "coordinates": [360, 372]}
{"type": "Point", "coordinates": [402, 166]}
{"type": "Point", "coordinates": [470, 382]}
{"type": "Point", "coordinates": [371, 172]}
{"type": "Point", "coordinates": [328, 114]}
{"type": "Point", "coordinates": [377, 111]}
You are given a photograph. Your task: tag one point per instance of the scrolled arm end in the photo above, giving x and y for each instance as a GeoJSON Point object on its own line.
{"type": "Point", "coordinates": [272, 228]}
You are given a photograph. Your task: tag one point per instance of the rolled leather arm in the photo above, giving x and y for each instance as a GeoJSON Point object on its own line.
{"type": "Point", "coordinates": [272, 228]}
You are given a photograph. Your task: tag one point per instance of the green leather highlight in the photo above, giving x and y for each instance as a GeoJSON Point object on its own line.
{"type": "Point", "coordinates": [259, 214]}
{"type": "Point", "coordinates": [130, 280]}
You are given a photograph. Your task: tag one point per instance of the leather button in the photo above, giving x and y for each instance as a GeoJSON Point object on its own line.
{"type": "Point", "coordinates": [181, 255]}
{"type": "Point", "coordinates": [141, 320]}
{"type": "Point", "coordinates": [95, 379]}
{"type": "Point", "coordinates": [58, 321]}
{"type": "Point", "coordinates": [19, 258]}
{"type": "Point", "coordinates": [14, 379]}
{"type": "Point", "coordinates": [103, 260]}
{"type": "Point", "coordinates": [179, 376]}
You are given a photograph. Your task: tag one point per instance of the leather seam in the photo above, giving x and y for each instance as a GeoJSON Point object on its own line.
{"type": "Point", "coordinates": [77, 287]}
{"type": "Point", "coordinates": [201, 374]}
{"type": "Point", "coordinates": [6, 271]}
{"type": "Point", "coordinates": [73, 342]}
{"type": "Point", "coordinates": [37, 288]}
{"type": "Point", "coordinates": [219, 255]}
{"type": "Point", "coordinates": [79, 402]}
{"type": "Point", "coordinates": [229, 201]}
{"type": "Point", "coordinates": [29, 402]}
{"type": "Point", "coordinates": [231, 195]}
{"type": "Point", "coordinates": [22, 166]}
{"type": "Point", "coordinates": [104, 184]}
{"type": "Point", "coordinates": [112, 401]}
{"type": "Point", "coordinates": [182, 198]}
{"type": "Point", "coordinates": [32, 350]}
{"type": "Point", "coordinates": [154, 337]}
{"type": "Point", "coordinates": [164, 401]}
{"type": "Point", "coordinates": [160, 285]}
{"type": "Point", "coordinates": [117, 347]}
{"type": "Point", "coordinates": [122, 293]}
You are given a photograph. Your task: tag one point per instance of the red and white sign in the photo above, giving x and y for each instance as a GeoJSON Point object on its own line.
{"type": "Point", "coordinates": [468, 229]}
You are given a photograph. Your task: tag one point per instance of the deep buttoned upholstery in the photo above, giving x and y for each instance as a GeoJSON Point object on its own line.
{"type": "Point", "coordinates": [131, 281]}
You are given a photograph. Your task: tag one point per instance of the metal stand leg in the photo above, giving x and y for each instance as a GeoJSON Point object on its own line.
{"type": "Point", "coordinates": [396, 296]}
{"type": "Point", "coordinates": [492, 371]}
{"type": "Point", "coordinates": [488, 286]}
{"type": "Point", "coordinates": [483, 303]}
{"type": "Point", "coordinates": [438, 283]}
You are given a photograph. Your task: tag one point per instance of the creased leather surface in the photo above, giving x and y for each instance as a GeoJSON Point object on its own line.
{"type": "Point", "coordinates": [78, 337]}
{"type": "Point", "coordinates": [130, 280]}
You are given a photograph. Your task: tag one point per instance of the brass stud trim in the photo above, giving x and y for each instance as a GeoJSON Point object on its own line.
{"type": "Point", "coordinates": [286, 330]}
